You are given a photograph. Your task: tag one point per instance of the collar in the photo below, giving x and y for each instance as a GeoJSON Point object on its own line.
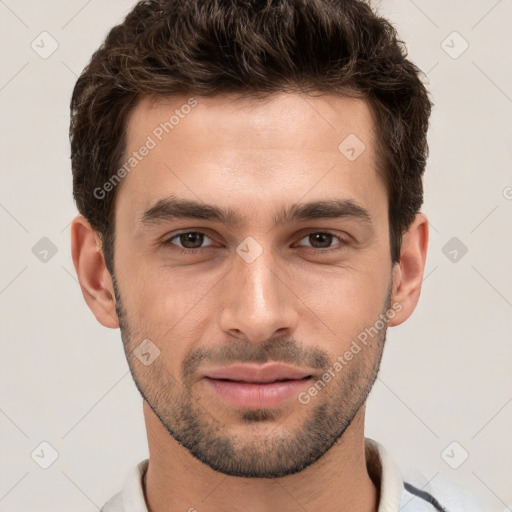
{"type": "Point", "coordinates": [381, 469]}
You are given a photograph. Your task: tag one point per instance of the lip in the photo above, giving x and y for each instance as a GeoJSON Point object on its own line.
{"type": "Point", "coordinates": [257, 387]}
{"type": "Point", "coordinates": [260, 374]}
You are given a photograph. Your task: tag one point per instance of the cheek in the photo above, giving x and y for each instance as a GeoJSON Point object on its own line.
{"type": "Point", "coordinates": [161, 293]}
{"type": "Point", "coordinates": [172, 309]}
{"type": "Point", "coordinates": [354, 287]}
{"type": "Point", "coordinates": [342, 307]}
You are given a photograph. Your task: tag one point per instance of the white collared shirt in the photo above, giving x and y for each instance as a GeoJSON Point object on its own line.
{"type": "Point", "coordinates": [396, 495]}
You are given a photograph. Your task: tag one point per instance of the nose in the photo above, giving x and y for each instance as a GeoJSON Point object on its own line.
{"type": "Point", "coordinates": [259, 300]}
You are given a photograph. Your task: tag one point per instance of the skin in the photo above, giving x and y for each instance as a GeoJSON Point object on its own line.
{"type": "Point", "coordinates": [302, 301]}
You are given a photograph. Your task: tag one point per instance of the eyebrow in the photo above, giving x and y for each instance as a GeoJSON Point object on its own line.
{"type": "Point", "coordinates": [173, 208]}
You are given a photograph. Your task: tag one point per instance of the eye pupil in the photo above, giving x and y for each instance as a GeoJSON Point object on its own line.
{"type": "Point", "coordinates": [196, 239]}
{"type": "Point", "coordinates": [321, 237]}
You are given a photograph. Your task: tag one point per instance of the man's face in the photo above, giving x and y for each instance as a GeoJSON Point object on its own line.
{"type": "Point", "coordinates": [269, 288]}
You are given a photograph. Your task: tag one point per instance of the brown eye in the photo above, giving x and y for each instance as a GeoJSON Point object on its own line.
{"type": "Point", "coordinates": [321, 240]}
{"type": "Point", "coordinates": [188, 240]}
{"type": "Point", "coordinates": [191, 240]}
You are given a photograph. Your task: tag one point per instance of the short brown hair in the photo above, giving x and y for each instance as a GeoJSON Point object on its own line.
{"type": "Point", "coordinates": [252, 48]}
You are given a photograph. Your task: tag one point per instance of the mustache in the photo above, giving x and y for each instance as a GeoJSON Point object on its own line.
{"type": "Point", "coordinates": [281, 349]}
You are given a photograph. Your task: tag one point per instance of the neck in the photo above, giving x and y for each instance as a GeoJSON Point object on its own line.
{"type": "Point", "coordinates": [338, 482]}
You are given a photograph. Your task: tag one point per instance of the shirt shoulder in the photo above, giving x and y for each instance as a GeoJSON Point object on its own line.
{"type": "Point", "coordinates": [114, 504]}
{"type": "Point", "coordinates": [419, 500]}
{"type": "Point", "coordinates": [131, 497]}
{"type": "Point", "coordinates": [442, 495]}
{"type": "Point", "coordinates": [401, 492]}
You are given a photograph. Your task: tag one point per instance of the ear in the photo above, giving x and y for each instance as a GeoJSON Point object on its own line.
{"type": "Point", "coordinates": [93, 276]}
{"type": "Point", "coordinates": [408, 272]}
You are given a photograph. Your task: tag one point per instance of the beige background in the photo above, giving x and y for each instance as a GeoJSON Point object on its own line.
{"type": "Point", "coordinates": [446, 373]}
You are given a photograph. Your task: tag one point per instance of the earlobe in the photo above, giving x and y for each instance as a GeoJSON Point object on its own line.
{"type": "Point", "coordinates": [408, 272]}
{"type": "Point", "coordinates": [93, 276]}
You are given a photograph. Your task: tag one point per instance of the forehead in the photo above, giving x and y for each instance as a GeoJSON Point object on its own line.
{"type": "Point", "coordinates": [249, 152]}
{"type": "Point", "coordinates": [274, 121]}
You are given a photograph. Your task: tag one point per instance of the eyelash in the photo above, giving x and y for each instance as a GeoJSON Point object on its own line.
{"type": "Point", "coordinates": [200, 250]}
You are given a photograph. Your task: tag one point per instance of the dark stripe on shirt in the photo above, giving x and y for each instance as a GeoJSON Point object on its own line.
{"type": "Point", "coordinates": [425, 496]}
